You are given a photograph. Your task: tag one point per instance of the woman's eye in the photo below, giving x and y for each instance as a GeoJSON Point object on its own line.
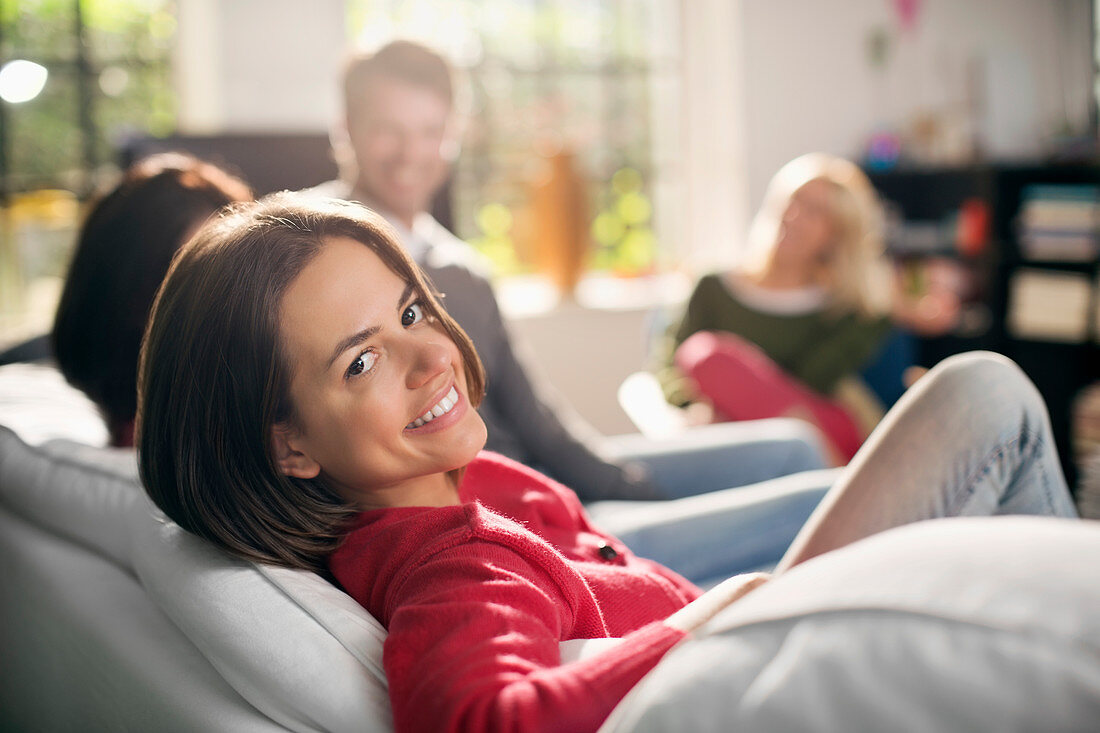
{"type": "Point", "coordinates": [414, 313]}
{"type": "Point", "coordinates": [362, 364]}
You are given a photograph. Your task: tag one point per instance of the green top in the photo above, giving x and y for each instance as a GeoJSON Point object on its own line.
{"type": "Point", "coordinates": [817, 347]}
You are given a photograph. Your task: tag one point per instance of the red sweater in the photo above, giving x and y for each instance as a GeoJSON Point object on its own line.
{"type": "Point", "coordinates": [477, 597]}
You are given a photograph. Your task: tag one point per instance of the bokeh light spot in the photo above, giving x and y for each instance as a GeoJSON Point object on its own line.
{"type": "Point", "coordinates": [21, 81]}
{"type": "Point", "coordinates": [634, 208]}
{"type": "Point", "coordinates": [494, 219]}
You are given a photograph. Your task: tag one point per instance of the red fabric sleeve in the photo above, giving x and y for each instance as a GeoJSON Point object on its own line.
{"type": "Point", "coordinates": [473, 645]}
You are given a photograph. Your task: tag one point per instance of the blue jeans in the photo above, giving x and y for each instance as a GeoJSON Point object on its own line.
{"type": "Point", "coordinates": [972, 437]}
{"type": "Point", "coordinates": [703, 472]}
{"type": "Point", "coordinates": [713, 457]}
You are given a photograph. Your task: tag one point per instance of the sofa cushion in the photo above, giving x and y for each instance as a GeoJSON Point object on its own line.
{"type": "Point", "coordinates": [84, 648]}
{"type": "Point", "coordinates": [54, 468]}
{"type": "Point", "coordinates": [78, 492]}
{"type": "Point", "coordinates": [961, 624]}
{"type": "Point", "coordinates": [297, 648]}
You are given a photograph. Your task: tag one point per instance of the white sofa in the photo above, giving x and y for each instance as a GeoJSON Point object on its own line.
{"type": "Point", "coordinates": [114, 619]}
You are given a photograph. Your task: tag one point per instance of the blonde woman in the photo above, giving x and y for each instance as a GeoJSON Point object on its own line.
{"type": "Point", "coordinates": [785, 332]}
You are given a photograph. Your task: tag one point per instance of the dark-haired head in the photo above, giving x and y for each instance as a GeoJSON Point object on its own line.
{"type": "Point", "coordinates": [125, 246]}
{"type": "Point", "coordinates": [404, 61]}
{"type": "Point", "coordinates": [216, 375]}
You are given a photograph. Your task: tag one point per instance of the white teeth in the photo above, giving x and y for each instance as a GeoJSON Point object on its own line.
{"type": "Point", "coordinates": [444, 406]}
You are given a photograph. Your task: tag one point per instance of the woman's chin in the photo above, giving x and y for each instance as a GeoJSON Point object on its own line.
{"type": "Point", "coordinates": [474, 436]}
{"type": "Point", "coordinates": [478, 437]}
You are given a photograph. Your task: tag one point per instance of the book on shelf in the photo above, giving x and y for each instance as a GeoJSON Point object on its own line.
{"type": "Point", "coordinates": [1049, 305]}
{"type": "Point", "coordinates": [1060, 222]}
{"type": "Point", "coordinates": [1059, 246]}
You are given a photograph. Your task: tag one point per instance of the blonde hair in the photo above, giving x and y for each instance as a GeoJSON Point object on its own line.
{"type": "Point", "coordinates": [856, 279]}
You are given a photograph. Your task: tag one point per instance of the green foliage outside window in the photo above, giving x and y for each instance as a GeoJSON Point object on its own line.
{"type": "Point", "coordinates": [109, 76]}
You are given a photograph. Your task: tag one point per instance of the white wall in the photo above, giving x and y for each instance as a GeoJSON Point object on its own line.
{"type": "Point", "coordinates": [808, 84]}
{"type": "Point", "coordinates": [259, 65]}
{"type": "Point", "coordinates": [583, 355]}
{"type": "Point", "coordinates": [712, 203]}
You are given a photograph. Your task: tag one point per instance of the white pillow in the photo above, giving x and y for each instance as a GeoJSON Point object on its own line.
{"type": "Point", "coordinates": [39, 405]}
{"type": "Point", "coordinates": [81, 493]}
{"type": "Point", "coordinates": [302, 652]}
{"type": "Point", "coordinates": [986, 624]}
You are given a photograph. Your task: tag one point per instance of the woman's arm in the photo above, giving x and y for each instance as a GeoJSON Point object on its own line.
{"type": "Point", "coordinates": [474, 645]}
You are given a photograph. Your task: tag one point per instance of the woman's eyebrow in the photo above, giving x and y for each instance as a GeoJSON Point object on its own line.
{"type": "Point", "coordinates": [366, 333]}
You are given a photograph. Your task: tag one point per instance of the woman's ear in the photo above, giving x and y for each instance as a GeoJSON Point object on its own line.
{"type": "Point", "coordinates": [291, 461]}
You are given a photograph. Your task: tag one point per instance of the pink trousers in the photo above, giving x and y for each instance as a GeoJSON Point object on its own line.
{"type": "Point", "coordinates": [743, 383]}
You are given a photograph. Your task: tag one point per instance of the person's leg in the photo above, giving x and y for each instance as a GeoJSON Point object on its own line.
{"type": "Point", "coordinates": [713, 457]}
{"type": "Point", "coordinates": [725, 526]}
{"type": "Point", "coordinates": [743, 383]}
{"type": "Point", "coordinates": [972, 437]}
{"type": "Point", "coordinates": [710, 537]}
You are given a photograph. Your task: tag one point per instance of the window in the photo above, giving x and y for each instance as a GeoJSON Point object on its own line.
{"type": "Point", "coordinates": [108, 65]}
{"type": "Point", "coordinates": [594, 79]}
{"type": "Point", "coordinates": [107, 74]}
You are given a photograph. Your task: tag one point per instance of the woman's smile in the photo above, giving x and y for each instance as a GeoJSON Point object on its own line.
{"type": "Point", "coordinates": [442, 415]}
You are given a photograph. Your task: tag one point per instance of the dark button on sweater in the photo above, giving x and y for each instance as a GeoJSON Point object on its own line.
{"type": "Point", "coordinates": [607, 552]}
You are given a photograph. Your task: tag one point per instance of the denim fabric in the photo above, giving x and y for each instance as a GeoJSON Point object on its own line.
{"type": "Point", "coordinates": [720, 456]}
{"type": "Point", "coordinates": [701, 472]}
{"type": "Point", "coordinates": [710, 537]}
{"type": "Point", "coordinates": [971, 438]}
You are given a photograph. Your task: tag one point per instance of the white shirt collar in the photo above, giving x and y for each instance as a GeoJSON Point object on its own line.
{"type": "Point", "coordinates": [792, 302]}
{"type": "Point", "coordinates": [417, 240]}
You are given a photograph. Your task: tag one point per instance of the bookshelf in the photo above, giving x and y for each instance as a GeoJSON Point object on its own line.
{"type": "Point", "coordinates": [1032, 288]}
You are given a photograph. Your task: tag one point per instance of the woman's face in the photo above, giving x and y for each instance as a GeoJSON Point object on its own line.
{"type": "Point", "coordinates": [368, 365]}
{"type": "Point", "coordinates": [806, 231]}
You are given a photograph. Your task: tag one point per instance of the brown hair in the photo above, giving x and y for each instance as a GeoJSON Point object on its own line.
{"type": "Point", "coordinates": [404, 61]}
{"type": "Point", "coordinates": [125, 246]}
{"type": "Point", "coordinates": [215, 378]}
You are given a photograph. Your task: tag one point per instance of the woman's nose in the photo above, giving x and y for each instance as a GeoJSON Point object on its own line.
{"type": "Point", "coordinates": [429, 359]}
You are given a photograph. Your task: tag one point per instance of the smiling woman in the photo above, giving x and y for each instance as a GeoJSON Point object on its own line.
{"type": "Point", "coordinates": [386, 413]}
{"type": "Point", "coordinates": [305, 401]}
{"type": "Point", "coordinates": [246, 366]}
